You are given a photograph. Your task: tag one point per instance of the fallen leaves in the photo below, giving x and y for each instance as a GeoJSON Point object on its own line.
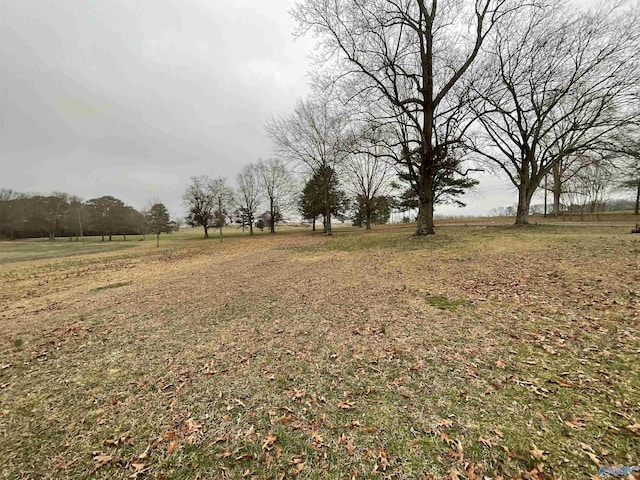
{"type": "Point", "coordinates": [119, 441]}
{"type": "Point", "coordinates": [635, 428]}
{"type": "Point", "coordinates": [298, 394]}
{"type": "Point", "coordinates": [383, 456]}
{"type": "Point", "coordinates": [536, 453]}
{"type": "Point", "coordinates": [173, 446]}
{"type": "Point", "coordinates": [347, 405]}
{"type": "Point", "coordinates": [269, 442]}
{"type": "Point", "coordinates": [102, 459]}
{"type": "Point", "coordinates": [575, 423]}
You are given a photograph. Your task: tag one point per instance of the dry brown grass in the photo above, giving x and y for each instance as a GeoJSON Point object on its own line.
{"type": "Point", "coordinates": [477, 352]}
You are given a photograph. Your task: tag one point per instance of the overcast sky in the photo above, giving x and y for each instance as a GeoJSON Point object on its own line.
{"type": "Point", "coordinates": [131, 98]}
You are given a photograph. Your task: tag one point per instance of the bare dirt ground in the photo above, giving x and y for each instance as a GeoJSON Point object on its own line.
{"type": "Point", "coordinates": [482, 352]}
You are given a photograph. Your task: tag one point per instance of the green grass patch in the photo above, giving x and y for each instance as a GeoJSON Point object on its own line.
{"type": "Point", "coordinates": [443, 303]}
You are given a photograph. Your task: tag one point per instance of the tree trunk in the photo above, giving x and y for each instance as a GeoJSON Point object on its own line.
{"type": "Point", "coordinates": [52, 236]}
{"type": "Point", "coordinates": [124, 236]}
{"type": "Point", "coordinates": [313, 227]}
{"type": "Point", "coordinates": [327, 223]}
{"type": "Point", "coordinates": [250, 225]}
{"type": "Point", "coordinates": [206, 231]}
{"type": "Point", "coordinates": [327, 208]}
{"type": "Point", "coordinates": [103, 237]}
{"type": "Point", "coordinates": [557, 189]}
{"type": "Point", "coordinates": [524, 201]}
{"type": "Point", "coordinates": [368, 220]}
{"type": "Point", "coordinates": [424, 220]}
{"type": "Point", "coordinates": [109, 236]}
{"type": "Point", "coordinates": [220, 217]}
{"type": "Point", "coordinates": [157, 239]}
{"type": "Point", "coordinates": [636, 210]}
{"type": "Point", "coordinates": [272, 221]}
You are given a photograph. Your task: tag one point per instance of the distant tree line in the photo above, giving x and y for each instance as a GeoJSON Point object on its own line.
{"type": "Point", "coordinates": [62, 215]}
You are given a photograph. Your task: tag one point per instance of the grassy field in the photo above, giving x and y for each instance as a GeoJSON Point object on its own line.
{"type": "Point", "coordinates": [481, 352]}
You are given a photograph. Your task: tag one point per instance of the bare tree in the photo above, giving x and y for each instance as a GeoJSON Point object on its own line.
{"type": "Point", "coordinates": [590, 187]}
{"type": "Point", "coordinates": [560, 82]}
{"type": "Point", "coordinates": [596, 181]}
{"type": "Point", "coordinates": [278, 188]}
{"type": "Point", "coordinates": [223, 200]}
{"type": "Point", "coordinates": [313, 136]}
{"type": "Point", "coordinates": [562, 172]}
{"type": "Point", "coordinates": [625, 149]}
{"type": "Point", "coordinates": [404, 63]}
{"type": "Point", "coordinates": [201, 203]}
{"type": "Point", "coordinates": [249, 193]}
{"type": "Point", "coordinates": [369, 179]}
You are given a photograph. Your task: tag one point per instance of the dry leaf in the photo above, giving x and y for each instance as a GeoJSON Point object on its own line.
{"type": "Point", "coordinates": [269, 442]}
{"type": "Point", "coordinates": [593, 458]}
{"type": "Point", "coordinates": [138, 467]}
{"type": "Point", "coordinates": [635, 428]}
{"type": "Point", "coordinates": [298, 394]}
{"type": "Point", "coordinates": [471, 471]}
{"type": "Point", "coordinates": [453, 474]}
{"type": "Point", "coordinates": [384, 459]}
{"type": "Point", "coordinates": [102, 460]}
{"type": "Point", "coordinates": [445, 423]}
{"type": "Point", "coordinates": [221, 438]}
{"type": "Point", "coordinates": [575, 423]}
{"type": "Point", "coordinates": [172, 446]}
{"type": "Point", "coordinates": [346, 405]}
{"type": "Point", "coordinates": [316, 437]}
{"type": "Point", "coordinates": [500, 363]}
{"type": "Point", "coordinates": [536, 452]}
{"type": "Point", "coordinates": [350, 448]}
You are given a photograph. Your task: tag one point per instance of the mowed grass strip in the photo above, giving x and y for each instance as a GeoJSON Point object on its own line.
{"type": "Point", "coordinates": [477, 352]}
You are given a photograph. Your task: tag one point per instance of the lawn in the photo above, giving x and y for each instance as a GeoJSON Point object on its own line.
{"type": "Point", "coordinates": [480, 352]}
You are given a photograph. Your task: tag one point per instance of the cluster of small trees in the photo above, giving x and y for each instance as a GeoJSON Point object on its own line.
{"type": "Point", "coordinates": [428, 86]}
{"type": "Point", "coordinates": [363, 189]}
{"type": "Point", "coordinates": [211, 203]}
{"type": "Point", "coordinates": [63, 215]}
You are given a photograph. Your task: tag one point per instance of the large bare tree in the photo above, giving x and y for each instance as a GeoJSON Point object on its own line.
{"type": "Point", "coordinates": [313, 136]}
{"type": "Point", "coordinates": [560, 82]}
{"type": "Point", "coordinates": [404, 62]}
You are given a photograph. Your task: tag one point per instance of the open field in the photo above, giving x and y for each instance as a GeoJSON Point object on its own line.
{"type": "Point", "coordinates": [481, 352]}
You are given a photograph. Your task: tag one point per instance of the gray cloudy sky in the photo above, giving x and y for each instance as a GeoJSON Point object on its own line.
{"type": "Point", "coordinates": [131, 98]}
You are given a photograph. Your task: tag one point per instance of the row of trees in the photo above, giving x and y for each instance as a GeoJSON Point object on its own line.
{"type": "Point", "coordinates": [63, 215]}
{"type": "Point", "coordinates": [438, 89]}
{"type": "Point", "coordinates": [211, 203]}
